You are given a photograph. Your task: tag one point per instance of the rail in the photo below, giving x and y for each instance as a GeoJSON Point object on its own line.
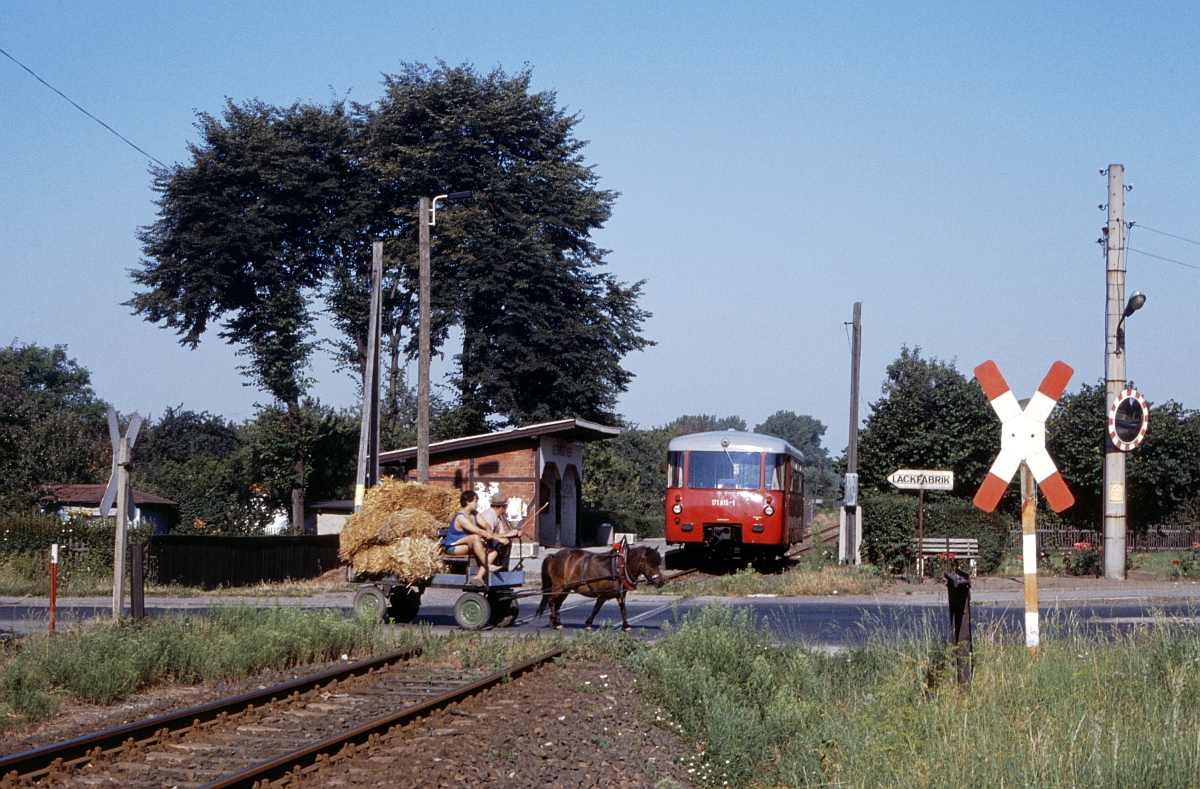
{"type": "Point", "coordinates": [78, 751]}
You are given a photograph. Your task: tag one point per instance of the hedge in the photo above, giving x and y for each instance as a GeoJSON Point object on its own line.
{"type": "Point", "coordinates": [890, 527]}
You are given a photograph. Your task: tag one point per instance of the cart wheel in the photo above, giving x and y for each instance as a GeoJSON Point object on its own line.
{"type": "Point", "coordinates": [405, 604]}
{"type": "Point", "coordinates": [472, 611]}
{"type": "Point", "coordinates": [505, 612]}
{"type": "Point", "coordinates": [370, 603]}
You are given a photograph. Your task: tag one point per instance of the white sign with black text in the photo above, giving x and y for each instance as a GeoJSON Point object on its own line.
{"type": "Point", "coordinates": [922, 479]}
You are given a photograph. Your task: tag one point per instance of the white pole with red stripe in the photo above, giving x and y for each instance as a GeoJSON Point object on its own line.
{"type": "Point", "coordinates": [1023, 446]}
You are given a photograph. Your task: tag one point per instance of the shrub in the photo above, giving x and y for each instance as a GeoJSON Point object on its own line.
{"type": "Point", "coordinates": [890, 527]}
{"type": "Point", "coordinates": [1084, 558]}
{"type": "Point", "coordinates": [1188, 563]}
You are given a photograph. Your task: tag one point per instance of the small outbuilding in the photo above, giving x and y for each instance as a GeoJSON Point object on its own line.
{"type": "Point", "coordinates": [535, 466]}
{"type": "Point", "coordinates": [69, 500]}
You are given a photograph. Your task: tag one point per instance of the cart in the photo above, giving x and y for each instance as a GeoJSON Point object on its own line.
{"type": "Point", "coordinates": [477, 607]}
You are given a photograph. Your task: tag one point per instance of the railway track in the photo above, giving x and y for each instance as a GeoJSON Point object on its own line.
{"type": "Point", "coordinates": [827, 534]}
{"type": "Point", "coordinates": [257, 738]}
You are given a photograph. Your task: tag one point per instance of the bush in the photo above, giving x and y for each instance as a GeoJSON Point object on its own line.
{"type": "Point", "coordinates": [890, 527]}
{"type": "Point", "coordinates": [1188, 563]}
{"type": "Point", "coordinates": [1083, 558]}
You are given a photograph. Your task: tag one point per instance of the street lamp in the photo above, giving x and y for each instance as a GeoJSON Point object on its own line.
{"type": "Point", "coordinates": [425, 220]}
{"type": "Point", "coordinates": [1136, 302]}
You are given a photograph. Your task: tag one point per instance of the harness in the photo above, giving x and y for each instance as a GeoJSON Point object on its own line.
{"type": "Point", "coordinates": [618, 568]}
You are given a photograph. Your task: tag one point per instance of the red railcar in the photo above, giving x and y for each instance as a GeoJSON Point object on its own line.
{"type": "Point", "coordinates": [734, 495]}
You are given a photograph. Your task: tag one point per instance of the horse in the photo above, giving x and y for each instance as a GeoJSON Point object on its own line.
{"type": "Point", "coordinates": [602, 576]}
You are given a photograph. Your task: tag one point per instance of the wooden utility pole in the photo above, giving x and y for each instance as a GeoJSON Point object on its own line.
{"type": "Point", "coordinates": [851, 522]}
{"type": "Point", "coordinates": [1114, 374]}
{"type": "Point", "coordinates": [1029, 555]}
{"type": "Point", "coordinates": [368, 438]}
{"type": "Point", "coordinates": [423, 347]}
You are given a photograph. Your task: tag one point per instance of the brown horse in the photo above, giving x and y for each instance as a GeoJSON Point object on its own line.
{"type": "Point", "coordinates": [600, 575]}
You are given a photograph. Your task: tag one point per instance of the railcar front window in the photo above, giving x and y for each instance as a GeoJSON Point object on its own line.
{"type": "Point", "coordinates": [724, 470]}
{"type": "Point", "coordinates": [674, 469]}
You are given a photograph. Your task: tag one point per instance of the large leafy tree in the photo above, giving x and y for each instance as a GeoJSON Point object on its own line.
{"type": "Point", "coordinates": [543, 329]}
{"type": "Point", "coordinates": [930, 416]}
{"type": "Point", "coordinates": [1163, 474]}
{"type": "Point", "coordinates": [52, 425]}
{"type": "Point", "coordinates": [246, 234]}
{"type": "Point", "coordinates": [801, 431]}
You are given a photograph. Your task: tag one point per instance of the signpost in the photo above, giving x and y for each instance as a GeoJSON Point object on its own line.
{"type": "Point", "coordinates": [1023, 446]}
{"type": "Point", "coordinates": [921, 480]}
{"type": "Point", "coordinates": [120, 492]}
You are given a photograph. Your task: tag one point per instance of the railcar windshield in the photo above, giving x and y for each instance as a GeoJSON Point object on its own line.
{"type": "Point", "coordinates": [674, 469]}
{"type": "Point", "coordinates": [724, 470]}
{"type": "Point", "coordinates": [773, 472]}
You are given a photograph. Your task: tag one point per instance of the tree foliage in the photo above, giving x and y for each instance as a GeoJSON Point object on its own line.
{"type": "Point", "coordinates": [801, 431]}
{"type": "Point", "coordinates": [246, 233]}
{"type": "Point", "coordinates": [52, 425]}
{"type": "Point", "coordinates": [543, 330]}
{"type": "Point", "coordinates": [930, 416]}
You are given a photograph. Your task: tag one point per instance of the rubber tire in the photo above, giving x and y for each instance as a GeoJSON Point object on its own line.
{"type": "Point", "coordinates": [505, 613]}
{"type": "Point", "coordinates": [405, 605]}
{"type": "Point", "coordinates": [472, 611]}
{"type": "Point", "coordinates": [371, 602]}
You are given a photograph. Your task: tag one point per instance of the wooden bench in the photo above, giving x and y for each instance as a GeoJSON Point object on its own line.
{"type": "Point", "coordinates": [960, 547]}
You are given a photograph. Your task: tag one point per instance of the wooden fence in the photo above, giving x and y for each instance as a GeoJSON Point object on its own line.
{"type": "Point", "coordinates": [1153, 539]}
{"type": "Point", "coordinates": [211, 562]}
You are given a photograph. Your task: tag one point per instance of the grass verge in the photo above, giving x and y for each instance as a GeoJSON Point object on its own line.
{"type": "Point", "coordinates": [1085, 711]}
{"type": "Point", "coordinates": [830, 579]}
{"type": "Point", "coordinates": [102, 663]}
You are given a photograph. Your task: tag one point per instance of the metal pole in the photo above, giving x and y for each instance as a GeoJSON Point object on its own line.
{"type": "Point", "coordinates": [53, 584]}
{"type": "Point", "coordinates": [921, 535]}
{"type": "Point", "coordinates": [1114, 375]}
{"type": "Point", "coordinates": [851, 529]}
{"type": "Point", "coordinates": [423, 348]}
{"type": "Point", "coordinates": [368, 435]}
{"type": "Point", "coordinates": [137, 592]}
{"type": "Point", "coordinates": [118, 600]}
{"type": "Point", "coordinates": [1029, 555]}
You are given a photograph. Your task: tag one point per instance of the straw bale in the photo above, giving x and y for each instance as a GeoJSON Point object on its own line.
{"type": "Point", "coordinates": [407, 523]}
{"type": "Point", "coordinates": [370, 527]}
{"type": "Point", "coordinates": [415, 559]}
{"type": "Point", "coordinates": [374, 560]}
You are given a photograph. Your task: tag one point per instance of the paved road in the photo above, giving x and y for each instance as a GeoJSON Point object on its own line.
{"type": "Point", "coordinates": [822, 621]}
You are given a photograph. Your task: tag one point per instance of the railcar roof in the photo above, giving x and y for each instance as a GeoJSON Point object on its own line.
{"type": "Point", "coordinates": [738, 442]}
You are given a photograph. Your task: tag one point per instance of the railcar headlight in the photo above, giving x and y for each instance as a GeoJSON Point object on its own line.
{"type": "Point", "coordinates": [769, 510]}
{"type": "Point", "coordinates": [678, 508]}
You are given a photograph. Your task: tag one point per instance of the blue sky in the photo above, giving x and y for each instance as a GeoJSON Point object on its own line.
{"type": "Point", "coordinates": [776, 162]}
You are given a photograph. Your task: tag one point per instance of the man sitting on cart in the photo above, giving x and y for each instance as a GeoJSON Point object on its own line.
{"type": "Point", "coordinates": [465, 536]}
{"type": "Point", "coordinates": [501, 536]}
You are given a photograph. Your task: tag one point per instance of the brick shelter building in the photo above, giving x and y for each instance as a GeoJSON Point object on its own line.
{"type": "Point", "coordinates": [541, 465]}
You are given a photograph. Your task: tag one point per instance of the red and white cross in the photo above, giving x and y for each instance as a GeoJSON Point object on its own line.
{"type": "Point", "coordinates": [1023, 436]}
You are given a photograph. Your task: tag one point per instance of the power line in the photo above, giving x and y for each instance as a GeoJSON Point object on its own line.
{"type": "Point", "coordinates": [1171, 235]}
{"type": "Point", "coordinates": [81, 109]}
{"type": "Point", "coordinates": [1160, 257]}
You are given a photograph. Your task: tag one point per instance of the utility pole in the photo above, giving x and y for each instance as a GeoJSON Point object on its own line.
{"type": "Point", "coordinates": [367, 475]}
{"type": "Point", "coordinates": [1114, 374]}
{"type": "Point", "coordinates": [423, 349]}
{"type": "Point", "coordinates": [851, 521]}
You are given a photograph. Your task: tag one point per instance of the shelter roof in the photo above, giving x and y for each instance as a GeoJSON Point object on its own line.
{"type": "Point", "coordinates": [565, 429]}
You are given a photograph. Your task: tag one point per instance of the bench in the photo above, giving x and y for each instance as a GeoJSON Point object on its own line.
{"type": "Point", "coordinates": [960, 547]}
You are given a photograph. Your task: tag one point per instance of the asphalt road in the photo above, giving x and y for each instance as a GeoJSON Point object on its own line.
{"type": "Point", "coordinates": [820, 621]}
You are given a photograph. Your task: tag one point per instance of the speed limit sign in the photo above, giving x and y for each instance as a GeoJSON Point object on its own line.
{"type": "Point", "coordinates": [1128, 420]}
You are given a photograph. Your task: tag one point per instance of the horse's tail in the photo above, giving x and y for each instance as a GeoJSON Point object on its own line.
{"type": "Point", "coordinates": [546, 587]}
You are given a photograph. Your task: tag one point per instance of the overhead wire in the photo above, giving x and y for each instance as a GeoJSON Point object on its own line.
{"type": "Point", "coordinates": [85, 112]}
{"type": "Point", "coordinates": [1171, 235]}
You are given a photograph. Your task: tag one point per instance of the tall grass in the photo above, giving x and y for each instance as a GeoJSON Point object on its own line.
{"type": "Point", "coordinates": [103, 663]}
{"type": "Point", "coordinates": [1085, 711]}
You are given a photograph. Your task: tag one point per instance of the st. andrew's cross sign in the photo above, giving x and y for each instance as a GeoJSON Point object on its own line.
{"type": "Point", "coordinates": [120, 492]}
